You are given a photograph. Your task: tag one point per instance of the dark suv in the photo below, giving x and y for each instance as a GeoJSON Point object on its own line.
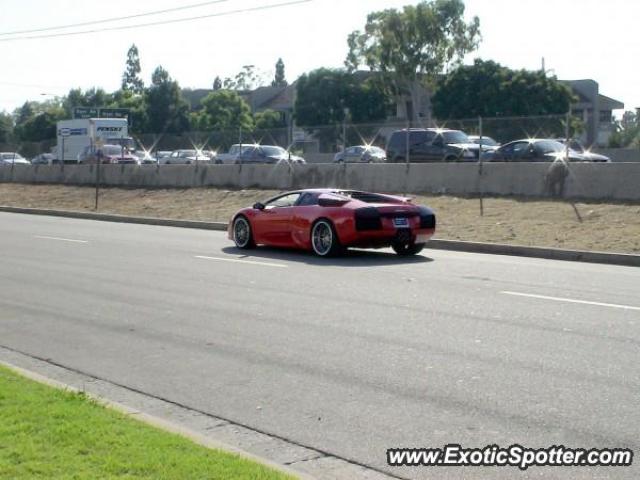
{"type": "Point", "coordinates": [431, 145]}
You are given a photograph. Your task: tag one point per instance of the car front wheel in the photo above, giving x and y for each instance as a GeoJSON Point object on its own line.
{"type": "Point", "coordinates": [242, 235]}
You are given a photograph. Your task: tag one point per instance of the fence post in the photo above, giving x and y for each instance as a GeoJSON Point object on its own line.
{"type": "Point", "coordinates": [98, 162]}
{"type": "Point", "coordinates": [480, 167]}
{"type": "Point", "coordinates": [407, 144]}
{"type": "Point", "coordinates": [567, 133]}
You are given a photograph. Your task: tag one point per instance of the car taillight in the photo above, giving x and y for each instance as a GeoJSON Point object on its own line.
{"type": "Point", "coordinates": [368, 218]}
{"type": "Point", "coordinates": [427, 218]}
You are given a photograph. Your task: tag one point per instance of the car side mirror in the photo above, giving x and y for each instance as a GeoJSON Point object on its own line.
{"type": "Point", "coordinates": [258, 206]}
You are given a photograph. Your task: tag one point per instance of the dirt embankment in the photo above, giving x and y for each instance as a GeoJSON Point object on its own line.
{"type": "Point", "coordinates": [584, 226]}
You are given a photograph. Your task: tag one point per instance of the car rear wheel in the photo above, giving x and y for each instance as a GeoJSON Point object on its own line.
{"type": "Point", "coordinates": [405, 249]}
{"type": "Point", "coordinates": [324, 240]}
{"type": "Point", "coordinates": [242, 235]}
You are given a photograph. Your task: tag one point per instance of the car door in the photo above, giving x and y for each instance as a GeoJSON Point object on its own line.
{"type": "Point", "coordinates": [420, 148]}
{"type": "Point", "coordinates": [272, 225]}
{"type": "Point", "coordinates": [522, 152]}
{"type": "Point", "coordinates": [433, 148]}
{"type": "Point", "coordinates": [350, 154]}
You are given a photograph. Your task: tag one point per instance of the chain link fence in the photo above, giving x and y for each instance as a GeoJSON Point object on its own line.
{"type": "Point", "coordinates": [324, 143]}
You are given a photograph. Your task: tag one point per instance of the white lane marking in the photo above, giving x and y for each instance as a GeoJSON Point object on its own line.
{"type": "Point", "coordinates": [249, 262]}
{"type": "Point", "coordinates": [44, 237]}
{"type": "Point", "coordinates": [572, 300]}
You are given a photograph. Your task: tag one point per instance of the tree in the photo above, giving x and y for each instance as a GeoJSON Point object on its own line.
{"type": "Point", "coordinates": [488, 89]}
{"type": "Point", "coordinates": [137, 106]}
{"type": "Point", "coordinates": [6, 128]}
{"type": "Point", "coordinates": [279, 79]}
{"type": "Point", "coordinates": [217, 84]}
{"type": "Point", "coordinates": [325, 97]}
{"type": "Point", "coordinates": [246, 79]}
{"type": "Point", "coordinates": [25, 112]}
{"type": "Point", "coordinates": [131, 77]}
{"type": "Point", "coordinates": [268, 120]}
{"type": "Point", "coordinates": [167, 111]}
{"type": "Point", "coordinates": [225, 110]}
{"type": "Point", "coordinates": [93, 97]}
{"type": "Point", "coordinates": [410, 48]}
{"type": "Point", "coordinates": [36, 121]}
{"type": "Point", "coordinates": [38, 128]}
{"type": "Point", "coordinates": [627, 131]}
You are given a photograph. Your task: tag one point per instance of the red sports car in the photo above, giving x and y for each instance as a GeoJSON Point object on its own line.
{"type": "Point", "coordinates": [329, 220]}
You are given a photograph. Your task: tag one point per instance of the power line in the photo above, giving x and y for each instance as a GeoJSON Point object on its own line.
{"type": "Point", "coordinates": [31, 85]}
{"type": "Point", "coordinates": [162, 22]}
{"type": "Point", "coordinates": [113, 19]}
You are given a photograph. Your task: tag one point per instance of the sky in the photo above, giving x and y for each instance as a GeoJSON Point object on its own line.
{"type": "Point", "coordinates": [594, 39]}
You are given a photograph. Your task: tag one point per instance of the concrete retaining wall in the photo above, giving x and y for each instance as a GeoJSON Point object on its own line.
{"type": "Point", "coordinates": [613, 181]}
{"type": "Point", "coordinates": [621, 154]}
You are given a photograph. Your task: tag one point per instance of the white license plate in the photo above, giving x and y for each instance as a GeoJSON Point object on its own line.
{"type": "Point", "coordinates": [400, 222]}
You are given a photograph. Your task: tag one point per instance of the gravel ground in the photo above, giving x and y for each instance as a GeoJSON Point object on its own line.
{"type": "Point", "coordinates": [610, 227]}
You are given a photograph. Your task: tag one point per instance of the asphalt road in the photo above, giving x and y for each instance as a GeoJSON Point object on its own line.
{"type": "Point", "coordinates": [352, 355]}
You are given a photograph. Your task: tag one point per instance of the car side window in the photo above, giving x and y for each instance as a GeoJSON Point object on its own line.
{"type": "Point", "coordinates": [284, 201]}
{"type": "Point", "coordinates": [520, 148]}
{"type": "Point", "coordinates": [307, 199]}
{"type": "Point", "coordinates": [419, 138]}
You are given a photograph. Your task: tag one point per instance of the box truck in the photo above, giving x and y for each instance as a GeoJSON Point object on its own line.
{"type": "Point", "coordinates": [74, 135]}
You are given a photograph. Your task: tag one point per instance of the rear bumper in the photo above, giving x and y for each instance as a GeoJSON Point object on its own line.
{"type": "Point", "coordinates": [386, 235]}
{"type": "Point", "coordinates": [384, 239]}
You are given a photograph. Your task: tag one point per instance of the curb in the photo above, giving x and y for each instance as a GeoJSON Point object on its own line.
{"type": "Point", "coordinates": [110, 217]}
{"type": "Point", "coordinates": [548, 253]}
{"type": "Point", "coordinates": [157, 422]}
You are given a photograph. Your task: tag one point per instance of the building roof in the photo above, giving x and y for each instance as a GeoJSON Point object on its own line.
{"type": "Point", "coordinates": [608, 103]}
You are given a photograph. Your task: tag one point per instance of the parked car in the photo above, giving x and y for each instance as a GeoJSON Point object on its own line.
{"type": "Point", "coordinates": [361, 154]}
{"type": "Point", "coordinates": [45, 159]}
{"type": "Point", "coordinates": [160, 154]}
{"type": "Point", "coordinates": [211, 154]}
{"type": "Point", "coordinates": [267, 154]}
{"type": "Point", "coordinates": [185, 157]}
{"type": "Point", "coordinates": [326, 221]}
{"type": "Point", "coordinates": [431, 145]}
{"type": "Point", "coordinates": [588, 155]}
{"type": "Point", "coordinates": [9, 158]}
{"type": "Point", "coordinates": [108, 154]}
{"type": "Point", "coordinates": [145, 157]}
{"type": "Point", "coordinates": [234, 152]}
{"type": "Point", "coordinates": [488, 143]}
{"type": "Point", "coordinates": [532, 150]}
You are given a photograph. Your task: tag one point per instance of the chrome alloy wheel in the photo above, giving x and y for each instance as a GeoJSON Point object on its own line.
{"type": "Point", "coordinates": [241, 232]}
{"type": "Point", "coordinates": [322, 238]}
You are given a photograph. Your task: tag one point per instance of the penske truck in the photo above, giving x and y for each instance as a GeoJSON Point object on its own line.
{"type": "Point", "coordinates": [77, 134]}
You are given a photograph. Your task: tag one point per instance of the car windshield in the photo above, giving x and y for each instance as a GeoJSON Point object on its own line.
{"type": "Point", "coordinates": [273, 151]}
{"type": "Point", "coordinates": [488, 141]}
{"type": "Point", "coordinates": [113, 150]}
{"type": "Point", "coordinates": [11, 156]}
{"type": "Point", "coordinates": [455, 136]}
{"type": "Point", "coordinates": [376, 150]}
{"type": "Point", "coordinates": [550, 146]}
